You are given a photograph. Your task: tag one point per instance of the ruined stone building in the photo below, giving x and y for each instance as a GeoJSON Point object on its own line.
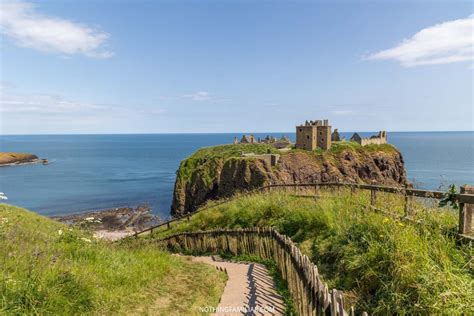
{"type": "Point", "coordinates": [269, 139]}
{"type": "Point", "coordinates": [270, 159]}
{"type": "Point", "coordinates": [335, 137]}
{"type": "Point", "coordinates": [283, 142]}
{"type": "Point", "coordinates": [248, 139]}
{"type": "Point", "coordinates": [314, 134]}
{"type": "Point", "coordinates": [380, 138]}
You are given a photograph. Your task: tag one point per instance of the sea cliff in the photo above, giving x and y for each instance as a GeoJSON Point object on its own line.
{"type": "Point", "coordinates": [220, 171]}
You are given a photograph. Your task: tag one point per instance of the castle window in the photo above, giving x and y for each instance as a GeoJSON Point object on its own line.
{"type": "Point", "coordinates": [301, 130]}
{"type": "Point", "coordinates": [307, 136]}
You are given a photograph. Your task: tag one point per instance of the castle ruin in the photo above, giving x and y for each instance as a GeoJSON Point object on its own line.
{"type": "Point", "coordinates": [314, 134]}
{"type": "Point", "coordinates": [379, 139]}
{"type": "Point", "coordinates": [248, 139]}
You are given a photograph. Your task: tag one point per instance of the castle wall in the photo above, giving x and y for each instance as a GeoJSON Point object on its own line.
{"type": "Point", "coordinates": [380, 139]}
{"type": "Point", "coordinates": [306, 137]}
{"type": "Point", "coordinates": [375, 141]}
{"type": "Point", "coordinates": [324, 137]}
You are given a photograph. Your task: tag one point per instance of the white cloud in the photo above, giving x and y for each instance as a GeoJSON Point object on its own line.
{"type": "Point", "coordinates": [45, 104]}
{"type": "Point", "coordinates": [28, 28]}
{"type": "Point", "coordinates": [13, 103]}
{"type": "Point", "coordinates": [444, 43]}
{"type": "Point", "coordinates": [198, 96]}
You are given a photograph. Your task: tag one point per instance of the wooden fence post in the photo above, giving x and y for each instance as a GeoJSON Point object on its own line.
{"type": "Point", "coordinates": [408, 202]}
{"type": "Point", "coordinates": [465, 212]}
{"type": "Point", "coordinates": [373, 197]}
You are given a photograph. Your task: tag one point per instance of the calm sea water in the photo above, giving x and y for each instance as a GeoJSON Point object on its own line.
{"type": "Point", "coordinates": [101, 171]}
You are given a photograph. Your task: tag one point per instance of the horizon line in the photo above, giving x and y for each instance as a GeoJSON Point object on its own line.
{"type": "Point", "coordinates": [223, 133]}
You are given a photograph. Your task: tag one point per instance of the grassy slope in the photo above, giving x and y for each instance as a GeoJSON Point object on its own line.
{"type": "Point", "coordinates": [47, 268]}
{"type": "Point", "coordinates": [384, 265]}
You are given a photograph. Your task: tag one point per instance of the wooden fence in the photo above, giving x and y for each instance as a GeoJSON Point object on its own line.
{"type": "Point", "coordinates": [465, 201]}
{"type": "Point", "coordinates": [310, 294]}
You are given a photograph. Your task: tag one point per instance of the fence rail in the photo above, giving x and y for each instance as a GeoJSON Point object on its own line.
{"type": "Point", "coordinates": [310, 294]}
{"type": "Point", "coordinates": [464, 199]}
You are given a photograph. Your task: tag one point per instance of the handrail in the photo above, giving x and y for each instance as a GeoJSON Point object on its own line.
{"type": "Point", "coordinates": [406, 191]}
{"type": "Point", "coordinates": [310, 293]}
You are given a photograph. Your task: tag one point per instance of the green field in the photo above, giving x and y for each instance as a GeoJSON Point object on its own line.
{"type": "Point", "coordinates": [48, 268]}
{"type": "Point", "coordinates": [383, 264]}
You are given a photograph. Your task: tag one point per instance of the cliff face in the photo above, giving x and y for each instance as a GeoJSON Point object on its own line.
{"type": "Point", "coordinates": [214, 176]}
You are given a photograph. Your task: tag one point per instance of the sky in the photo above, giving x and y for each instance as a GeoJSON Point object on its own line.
{"type": "Point", "coordinates": [88, 67]}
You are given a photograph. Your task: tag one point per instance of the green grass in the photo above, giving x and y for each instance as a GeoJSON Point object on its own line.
{"type": "Point", "coordinates": [203, 162]}
{"type": "Point", "coordinates": [338, 147]}
{"type": "Point", "coordinates": [384, 265]}
{"type": "Point", "coordinates": [47, 268]}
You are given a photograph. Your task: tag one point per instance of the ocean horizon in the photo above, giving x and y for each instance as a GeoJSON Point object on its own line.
{"type": "Point", "coordinates": [100, 171]}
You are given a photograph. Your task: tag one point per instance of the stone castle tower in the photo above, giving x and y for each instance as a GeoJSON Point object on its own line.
{"type": "Point", "coordinates": [314, 135]}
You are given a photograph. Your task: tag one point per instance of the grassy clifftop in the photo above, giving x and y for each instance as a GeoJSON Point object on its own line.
{"type": "Point", "coordinates": [208, 157]}
{"type": "Point", "coordinates": [215, 172]}
{"type": "Point", "coordinates": [47, 268]}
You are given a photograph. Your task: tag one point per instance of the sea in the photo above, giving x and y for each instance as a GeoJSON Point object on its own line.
{"type": "Point", "coordinates": [93, 172]}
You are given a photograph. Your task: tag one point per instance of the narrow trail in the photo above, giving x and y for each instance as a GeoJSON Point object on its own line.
{"type": "Point", "coordinates": [250, 290]}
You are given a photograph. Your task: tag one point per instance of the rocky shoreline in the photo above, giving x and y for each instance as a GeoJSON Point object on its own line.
{"type": "Point", "coordinates": [113, 223]}
{"type": "Point", "coordinates": [17, 159]}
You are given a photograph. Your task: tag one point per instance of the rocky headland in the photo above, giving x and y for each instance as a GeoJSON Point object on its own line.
{"type": "Point", "coordinates": [11, 159]}
{"type": "Point", "coordinates": [220, 171]}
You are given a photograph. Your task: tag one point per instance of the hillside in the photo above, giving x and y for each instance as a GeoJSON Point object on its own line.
{"type": "Point", "coordinates": [7, 158]}
{"type": "Point", "coordinates": [383, 264]}
{"type": "Point", "coordinates": [47, 268]}
{"type": "Point", "coordinates": [220, 171]}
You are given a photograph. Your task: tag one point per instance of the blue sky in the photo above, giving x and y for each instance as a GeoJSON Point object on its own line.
{"type": "Point", "coordinates": [234, 66]}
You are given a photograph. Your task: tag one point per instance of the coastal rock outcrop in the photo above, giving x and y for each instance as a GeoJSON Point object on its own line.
{"type": "Point", "coordinates": [215, 174]}
{"type": "Point", "coordinates": [9, 158]}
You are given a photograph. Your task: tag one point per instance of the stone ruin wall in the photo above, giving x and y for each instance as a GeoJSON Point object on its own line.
{"type": "Point", "coordinates": [370, 141]}
{"type": "Point", "coordinates": [380, 139]}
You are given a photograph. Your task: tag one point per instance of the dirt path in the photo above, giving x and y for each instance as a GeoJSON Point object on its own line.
{"type": "Point", "coordinates": [250, 289]}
